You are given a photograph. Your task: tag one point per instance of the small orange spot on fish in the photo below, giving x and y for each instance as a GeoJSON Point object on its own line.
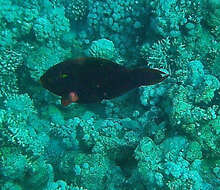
{"type": "Point", "coordinates": [72, 97]}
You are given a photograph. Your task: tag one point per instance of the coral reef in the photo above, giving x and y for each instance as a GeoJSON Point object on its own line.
{"type": "Point", "coordinates": [165, 136]}
{"type": "Point", "coordinates": [103, 48]}
{"type": "Point", "coordinates": [76, 10]}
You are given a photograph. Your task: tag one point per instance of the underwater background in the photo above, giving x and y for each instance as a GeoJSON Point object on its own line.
{"type": "Point", "coordinates": [165, 136]}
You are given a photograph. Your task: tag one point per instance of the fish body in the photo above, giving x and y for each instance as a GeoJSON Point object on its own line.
{"type": "Point", "coordinates": [90, 80]}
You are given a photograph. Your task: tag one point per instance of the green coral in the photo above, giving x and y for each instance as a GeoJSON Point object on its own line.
{"type": "Point", "coordinates": [207, 89]}
{"type": "Point", "coordinates": [41, 59]}
{"type": "Point", "coordinates": [39, 174]}
{"type": "Point", "coordinates": [170, 16]}
{"type": "Point", "coordinates": [206, 134]}
{"type": "Point", "coordinates": [216, 64]}
{"type": "Point", "coordinates": [212, 16]}
{"type": "Point", "coordinates": [208, 169]}
{"type": "Point", "coordinates": [103, 48]}
{"type": "Point", "coordinates": [60, 24]}
{"type": "Point", "coordinates": [10, 60]}
{"type": "Point", "coordinates": [21, 126]}
{"type": "Point", "coordinates": [11, 186]}
{"type": "Point", "coordinates": [88, 170]}
{"type": "Point", "coordinates": [193, 151]}
{"type": "Point", "coordinates": [13, 165]}
{"type": "Point", "coordinates": [42, 29]}
{"type": "Point", "coordinates": [17, 18]}
{"type": "Point", "coordinates": [51, 26]}
{"type": "Point", "coordinates": [149, 159]}
{"type": "Point", "coordinates": [156, 55]}
{"type": "Point", "coordinates": [76, 10]}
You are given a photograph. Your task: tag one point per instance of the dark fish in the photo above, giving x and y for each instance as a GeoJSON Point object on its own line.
{"type": "Point", "coordinates": [89, 80]}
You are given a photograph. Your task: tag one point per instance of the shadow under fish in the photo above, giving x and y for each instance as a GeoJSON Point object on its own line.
{"type": "Point", "coordinates": [90, 80]}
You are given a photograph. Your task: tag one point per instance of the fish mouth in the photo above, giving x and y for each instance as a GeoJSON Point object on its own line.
{"type": "Point", "coordinates": [43, 83]}
{"type": "Point", "coordinates": [40, 81]}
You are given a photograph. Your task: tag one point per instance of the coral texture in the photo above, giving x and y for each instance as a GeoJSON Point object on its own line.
{"type": "Point", "coordinates": [164, 136]}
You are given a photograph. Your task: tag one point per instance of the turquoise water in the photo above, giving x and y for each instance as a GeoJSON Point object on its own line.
{"type": "Point", "coordinates": [165, 136]}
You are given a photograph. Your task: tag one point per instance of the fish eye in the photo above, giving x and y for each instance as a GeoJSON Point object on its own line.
{"type": "Point", "coordinates": [63, 75]}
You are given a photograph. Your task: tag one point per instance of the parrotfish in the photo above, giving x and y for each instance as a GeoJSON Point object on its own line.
{"type": "Point", "coordinates": [90, 80]}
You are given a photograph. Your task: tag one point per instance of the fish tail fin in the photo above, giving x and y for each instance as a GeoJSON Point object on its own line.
{"type": "Point", "coordinates": [148, 76]}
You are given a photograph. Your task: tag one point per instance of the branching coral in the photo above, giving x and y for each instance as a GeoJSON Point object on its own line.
{"type": "Point", "coordinates": [22, 126]}
{"type": "Point", "coordinates": [157, 55]}
{"type": "Point", "coordinates": [169, 53]}
{"type": "Point", "coordinates": [10, 60]}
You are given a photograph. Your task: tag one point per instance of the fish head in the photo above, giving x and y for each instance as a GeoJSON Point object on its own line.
{"type": "Point", "coordinates": [57, 82]}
